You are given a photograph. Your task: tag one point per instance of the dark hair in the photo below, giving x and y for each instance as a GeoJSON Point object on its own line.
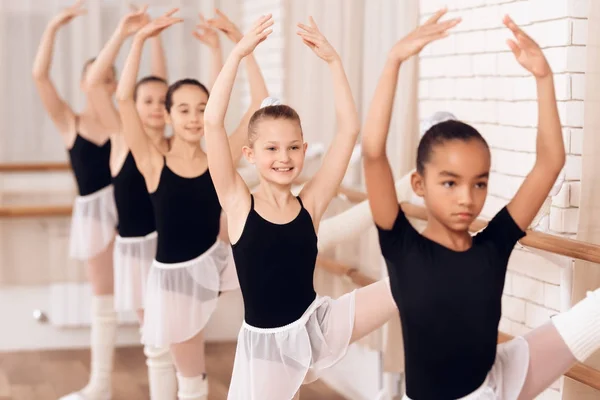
{"type": "Point", "coordinates": [144, 80]}
{"type": "Point", "coordinates": [178, 84]}
{"type": "Point", "coordinates": [90, 62]}
{"type": "Point", "coordinates": [441, 133]}
{"type": "Point", "coordinates": [271, 112]}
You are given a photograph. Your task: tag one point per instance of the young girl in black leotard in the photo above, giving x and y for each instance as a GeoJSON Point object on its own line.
{"type": "Point", "coordinates": [448, 284]}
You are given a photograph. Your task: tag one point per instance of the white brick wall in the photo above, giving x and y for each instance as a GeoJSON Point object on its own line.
{"type": "Point", "coordinates": [482, 84]}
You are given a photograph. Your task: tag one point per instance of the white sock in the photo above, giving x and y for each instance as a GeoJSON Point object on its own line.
{"type": "Point", "coordinates": [195, 388]}
{"type": "Point", "coordinates": [161, 373]}
{"type": "Point", "coordinates": [102, 346]}
{"type": "Point", "coordinates": [580, 326]}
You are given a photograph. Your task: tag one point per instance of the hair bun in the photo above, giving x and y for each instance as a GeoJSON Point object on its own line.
{"type": "Point", "coordinates": [270, 101]}
{"type": "Point", "coordinates": [435, 119]}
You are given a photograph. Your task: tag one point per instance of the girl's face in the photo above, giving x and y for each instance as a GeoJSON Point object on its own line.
{"type": "Point", "coordinates": [455, 181]}
{"type": "Point", "coordinates": [150, 104]}
{"type": "Point", "coordinates": [187, 113]}
{"type": "Point", "coordinates": [278, 151]}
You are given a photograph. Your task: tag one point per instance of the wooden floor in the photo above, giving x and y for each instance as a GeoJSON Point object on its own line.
{"type": "Point", "coordinates": [48, 375]}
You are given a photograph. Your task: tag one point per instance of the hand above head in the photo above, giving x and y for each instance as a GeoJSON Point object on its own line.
{"type": "Point", "coordinates": [431, 30]}
{"type": "Point", "coordinates": [257, 34]}
{"type": "Point", "coordinates": [134, 21]}
{"type": "Point", "coordinates": [527, 51]}
{"type": "Point", "coordinates": [207, 34]}
{"type": "Point", "coordinates": [224, 24]}
{"type": "Point", "coordinates": [69, 13]}
{"type": "Point", "coordinates": [313, 38]}
{"type": "Point", "coordinates": [158, 25]}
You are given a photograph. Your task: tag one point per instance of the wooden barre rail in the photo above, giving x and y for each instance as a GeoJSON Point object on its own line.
{"type": "Point", "coordinates": [31, 167]}
{"type": "Point", "coordinates": [35, 211]}
{"type": "Point", "coordinates": [579, 372]}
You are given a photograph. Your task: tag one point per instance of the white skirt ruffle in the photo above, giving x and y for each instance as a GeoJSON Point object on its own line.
{"type": "Point", "coordinates": [132, 259]}
{"type": "Point", "coordinates": [272, 364]}
{"type": "Point", "coordinates": [181, 297]}
{"type": "Point", "coordinates": [93, 224]}
{"type": "Point", "coordinates": [507, 377]}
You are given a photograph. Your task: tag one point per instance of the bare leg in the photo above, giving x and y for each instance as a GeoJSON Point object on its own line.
{"type": "Point", "coordinates": [374, 307]}
{"type": "Point", "coordinates": [100, 272]}
{"type": "Point", "coordinates": [190, 363]}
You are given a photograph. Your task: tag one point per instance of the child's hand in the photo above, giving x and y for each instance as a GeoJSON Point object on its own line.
{"type": "Point", "coordinates": [224, 24]}
{"type": "Point", "coordinates": [313, 38]}
{"type": "Point", "coordinates": [134, 21]}
{"type": "Point", "coordinates": [66, 15]}
{"type": "Point", "coordinates": [206, 34]}
{"type": "Point", "coordinates": [527, 51]}
{"type": "Point", "coordinates": [256, 35]}
{"type": "Point", "coordinates": [158, 25]}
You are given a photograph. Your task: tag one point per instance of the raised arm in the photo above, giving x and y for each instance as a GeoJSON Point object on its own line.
{"type": "Point", "coordinates": [378, 174]}
{"type": "Point", "coordinates": [258, 88]}
{"type": "Point", "coordinates": [158, 61]}
{"type": "Point", "coordinates": [141, 147]}
{"type": "Point", "coordinates": [61, 114]}
{"type": "Point", "coordinates": [209, 36]}
{"type": "Point", "coordinates": [228, 183]}
{"type": "Point", "coordinates": [550, 149]}
{"type": "Point", "coordinates": [100, 99]}
{"type": "Point", "coordinates": [319, 191]}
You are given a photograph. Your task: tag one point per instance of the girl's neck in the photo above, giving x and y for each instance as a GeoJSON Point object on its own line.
{"type": "Point", "coordinates": [157, 137]}
{"type": "Point", "coordinates": [185, 150]}
{"type": "Point", "coordinates": [452, 239]}
{"type": "Point", "coordinates": [277, 195]}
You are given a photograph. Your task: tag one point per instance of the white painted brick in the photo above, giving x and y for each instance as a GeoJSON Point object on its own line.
{"type": "Point", "coordinates": [528, 289]}
{"type": "Point", "coordinates": [430, 67]}
{"type": "Point", "coordinates": [573, 168]}
{"type": "Point", "coordinates": [476, 111]}
{"type": "Point", "coordinates": [518, 329]}
{"type": "Point", "coordinates": [563, 220]}
{"type": "Point", "coordinates": [431, 6]}
{"type": "Point", "coordinates": [518, 11]}
{"type": "Point", "coordinates": [469, 42]}
{"type": "Point", "coordinates": [562, 86]}
{"type": "Point", "coordinates": [536, 315]}
{"type": "Point", "coordinates": [469, 88]}
{"type": "Point", "coordinates": [579, 8]}
{"type": "Point", "coordinates": [462, 4]}
{"type": "Point", "coordinates": [504, 186]}
{"type": "Point", "coordinates": [524, 88]}
{"type": "Point", "coordinates": [457, 66]}
{"type": "Point", "coordinates": [576, 143]}
{"type": "Point", "coordinates": [578, 86]}
{"type": "Point", "coordinates": [445, 46]}
{"type": "Point", "coordinates": [443, 88]}
{"type": "Point", "coordinates": [562, 198]}
{"type": "Point", "coordinates": [574, 194]}
{"type": "Point", "coordinates": [498, 1]}
{"type": "Point", "coordinates": [529, 264]}
{"type": "Point", "coordinates": [495, 39]}
{"type": "Point", "coordinates": [505, 326]}
{"type": "Point", "coordinates": [522, 113]}
{"type": "Point", "coordinates": [484, 64]}
{"type": "Point", "coordinates": [513, 138]}
{"type": "Point", "coordinates": [513, 308]}
{"type": "Point", "coordinates": [424, 89]}
{"type": "Point", "coordinates": [495, 88]}
{"type": "Point", "coordinates": [552, 296]}
{"type": "Point", "coordinates": [566, 59]}
{"type": "Point", "coordinates": [579, 31]}
{"type": "Point", "coordinates": [508, 284]}
{"type": "Point", "coordinates": [574, 115]}
{"type": "Point", "coordinates": [551, 33]}
{"type": "Point", "coordinates": [508, 66]}
{"type": "Point", "coordinates": [544, 10]}
{"type": "Point", "coordinates": [491, 206]}
{"type": "Point", "coordinates": [566, 139]}
{"type": "Point", "coordinates": [556, 384]}
{"type": "Point", "coordinates": [512, 163]}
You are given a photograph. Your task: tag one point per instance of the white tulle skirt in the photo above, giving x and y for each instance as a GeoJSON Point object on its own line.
{"type": "Point", "coordinates": [181, 297]}
{"type": "Point", "coordinates": [272, 364]}
{"type": "Point", "coordinates": [93, 224]}
{"type": "Point", "coordinates": [507, 377]}
{"type": "Point", "coordinates": [132, 258]}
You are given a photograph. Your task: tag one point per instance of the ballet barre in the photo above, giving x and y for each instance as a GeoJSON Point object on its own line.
{"type": "Point", "coordinates": [35, 167]}
{"type": "Point", "coordinates": [579, 372]}
{"type": "Point", "coordinates": [35, 211]}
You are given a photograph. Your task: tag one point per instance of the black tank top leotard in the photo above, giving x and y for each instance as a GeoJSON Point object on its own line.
{"type": "Point", "coordinates": [90, 163]}
{"type": "Point", "coordinates": [187, 214]}
{"type": "Point", "coordinates": [275, 265]}
{"type": "Point", "coordinates": [134, 208]}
